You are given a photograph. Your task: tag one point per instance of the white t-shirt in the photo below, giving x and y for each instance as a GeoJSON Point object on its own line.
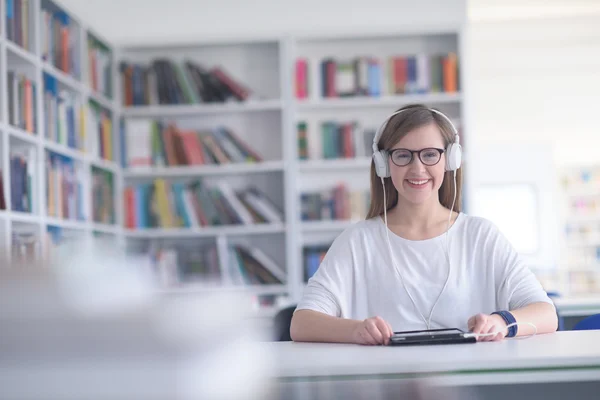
{"type": "Point", "coordinates": [357, 278]}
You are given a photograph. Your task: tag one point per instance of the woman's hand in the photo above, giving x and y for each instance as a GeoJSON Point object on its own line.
{"type": "Point", "coordinates": [372, 331]}
{"type": "Point", "coordinates": [484, 323]}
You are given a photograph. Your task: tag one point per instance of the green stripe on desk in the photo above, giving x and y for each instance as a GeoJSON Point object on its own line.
{"type": "Point", "coordinates": [434, 374]}
{"type": "Point", "coordinates": [544, 369]}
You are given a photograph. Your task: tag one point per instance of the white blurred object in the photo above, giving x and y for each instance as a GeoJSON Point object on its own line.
{"type": "Point", "coordinates": [92, 327]}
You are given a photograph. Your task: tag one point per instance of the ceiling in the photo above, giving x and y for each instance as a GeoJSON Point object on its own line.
{"type": "Point", "coordinates": [150, 21]}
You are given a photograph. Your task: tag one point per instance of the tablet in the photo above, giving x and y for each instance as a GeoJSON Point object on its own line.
{"type": "Point", "coordinates": [434, 336]}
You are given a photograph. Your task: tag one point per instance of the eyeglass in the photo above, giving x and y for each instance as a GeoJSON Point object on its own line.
{"type": "Point", "coordinates": [429, 156]}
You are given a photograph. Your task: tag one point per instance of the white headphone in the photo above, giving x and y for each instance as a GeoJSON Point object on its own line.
{"type": "Point", "coordinates": [453, 162]}
{"type": "Point", "coordinates": [380, 157]}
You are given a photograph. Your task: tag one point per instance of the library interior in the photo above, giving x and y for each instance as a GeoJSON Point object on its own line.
{"type": "Point", "coordinates": [191, 200]}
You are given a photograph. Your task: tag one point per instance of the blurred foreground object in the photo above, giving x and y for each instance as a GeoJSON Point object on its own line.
{"type": "Point", "coordinates": [91, 326]}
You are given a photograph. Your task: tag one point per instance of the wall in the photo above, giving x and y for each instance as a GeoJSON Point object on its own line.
{"type": "Point", "coordinates": [537, 81]}
{"type": "Point", "coordinates": [534, 87]}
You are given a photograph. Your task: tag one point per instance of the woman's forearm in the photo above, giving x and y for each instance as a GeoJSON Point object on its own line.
{"type": "Point", "coordinates": [542, 315]}
{"type": "Point", "coordinates": [313, 326]}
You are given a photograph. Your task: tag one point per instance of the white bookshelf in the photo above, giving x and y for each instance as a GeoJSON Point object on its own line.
{"type": "Point", "coordinates": [267, 122]}
{"type": "Point", "coordinates": [282, 110]}
{"type": "Point", "coordinates": [30, 63]}
{"type": "Point", "coordinates": [580, 225]}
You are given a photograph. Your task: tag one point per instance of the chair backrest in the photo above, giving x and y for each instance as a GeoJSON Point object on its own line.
{"type": "Point", "coordinates": [283, 321]}
{"type": "Point", "coordinates": [592, 322]}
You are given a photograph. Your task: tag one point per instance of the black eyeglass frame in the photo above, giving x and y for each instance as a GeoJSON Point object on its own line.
{"type": "Point", "coordinates": [418, 152]}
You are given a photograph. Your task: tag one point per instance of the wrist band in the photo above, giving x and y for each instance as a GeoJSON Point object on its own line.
{"type": "Point", "coordinates": [509, 319]}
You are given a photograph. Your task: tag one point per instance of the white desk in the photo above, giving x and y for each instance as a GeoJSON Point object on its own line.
{"type": "Point", "coordinates": [559, 357]}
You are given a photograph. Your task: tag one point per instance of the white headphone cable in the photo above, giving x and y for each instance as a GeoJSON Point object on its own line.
{"type": "Point", "coordinates": [426, 321]}
{"type": "Point", "coordinates": [447, 252]}
{"type": "Point", "coordinates": [470, 334]}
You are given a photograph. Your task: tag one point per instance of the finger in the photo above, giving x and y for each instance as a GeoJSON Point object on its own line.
{"type": "Point", "coordinates": [366, 336]}
{"type": "Point", "coordinates": [383, 328]}
{"type": "Point", "coordinates": [489, 329]}
{"type": "Point", "coordinates": [481, 331]}
{"type": "Point", "coordinates": [471, 324]}
{"type": "Point", "coordinates": [374, 331]}
{"type": "Point", "coordinates": [500, 335]}
{"type": "Point", "coordinates": [391, 331]}
{"type": "Point", "coordinates": [479, 325]}
{"type": "Point", "coordinates": [369, 338]}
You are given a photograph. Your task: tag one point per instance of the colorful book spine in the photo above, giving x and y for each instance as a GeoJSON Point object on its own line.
{"type": "Point", "coordinates": [64, 188]}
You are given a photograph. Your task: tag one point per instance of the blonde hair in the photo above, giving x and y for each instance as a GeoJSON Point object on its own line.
{"type": "Point", "coordinates": [415, 116]}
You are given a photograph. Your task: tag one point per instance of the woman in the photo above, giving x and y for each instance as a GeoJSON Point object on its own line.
{"type": "Point", "coordinates": [417, 262]}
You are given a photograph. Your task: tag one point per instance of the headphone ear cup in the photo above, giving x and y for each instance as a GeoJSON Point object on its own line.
{"type": "Point", "coordinates": [380, 159]}
{"type": "Point", "coordinates": [453, 157]}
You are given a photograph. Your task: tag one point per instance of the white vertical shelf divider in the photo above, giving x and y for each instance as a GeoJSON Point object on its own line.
{"type": "Point", "coordinates": [293, 250]}
{"type": "Point", "coordinates": [40, 129]}
{"type": "Point", "coordinates": [118, 182]}
{"type": "Point", "coordinates": [5, 154]}
{"type": "Point", "coordinates": [85, 96]}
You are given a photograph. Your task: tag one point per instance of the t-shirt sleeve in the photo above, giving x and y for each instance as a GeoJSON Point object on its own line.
{"type": "Point", "coordinates": [327, 291]}
{"type": "Point", "coordinates": [516, 285]}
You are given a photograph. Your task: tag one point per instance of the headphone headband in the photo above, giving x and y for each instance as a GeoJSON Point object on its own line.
{"type": "Point", "coordinates": [384, 124]}
{"type": "Point", "coordinates": [380, 157]}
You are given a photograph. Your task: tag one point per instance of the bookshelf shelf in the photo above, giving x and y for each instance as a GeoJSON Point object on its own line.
{"type": "Point", "coordinates": [105, 228]}
{"type": "Point", "coordinates": [17, 216]}
{"type": "Point", "coordinates": [100, 99]}
{"type": "Point", "coordinates": [325, 226]}
{"type": "Point", "coordinates": [62, 77]}
{"type": "Point", "coordinates": [582, 218]}
{"type": "Point", "coordinates": [196, 109]}
{"type": "Point", "coordinates": [338, 164]}
{"type": "Point", "coordinates": [250, 289]}
{"type": "Point", "coordinates": [233, 230]}
{"type": "Point", "coordinates": [382, 101]}
{"type": "Point", "coordinates": [64, 150]}
{"type": "Point", "coordinates": [583, 191]}
{"type": "Point", "coordinates": [105, 164]}
{"type": "Point", "coordinates": [21, 52]}
{"type": "Point", "coordinates": [66, 223]}
{"type": "Point", "coordinates": [21, 135]}
{"type": "Point", "coordinates": [192, 171]}
{"type": "Point", "coordinates": [588, 241]}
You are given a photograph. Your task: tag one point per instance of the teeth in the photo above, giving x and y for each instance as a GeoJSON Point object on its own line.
{"type": "Point", "coordinates": [418, 182]}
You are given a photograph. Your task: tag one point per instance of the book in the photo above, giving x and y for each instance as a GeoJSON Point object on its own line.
{"type": "Point", "coordinates": [165, 81]}
{"type": "Point", "coordinates": [152, 143]}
